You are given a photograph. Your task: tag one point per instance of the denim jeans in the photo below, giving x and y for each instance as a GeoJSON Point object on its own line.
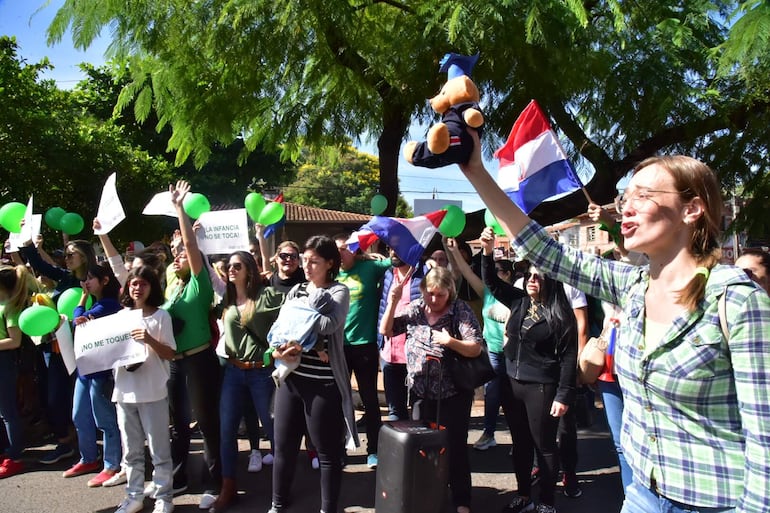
{"type": "Point", "coordinates": [8, 408]}
{"type": "Point", "coordinates": [492, 392]}
{"type": "Point", "coordinates": [260, 386]}
{"type": "Point", "coordinates": [613, 408]}
{"type": "Point", "coordinates": [396, 393]}
{"type": "Point", "coordinates": [364, 361]}
{"type": "Point", "coordinates": [59, 393]}
{"type": "Point", "coordinates": [92, 409]}
{"type": "Point", "coordinates": [640, 499]}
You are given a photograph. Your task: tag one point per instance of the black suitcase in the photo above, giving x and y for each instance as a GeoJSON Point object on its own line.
{"type": "Point", "coordinates": [412, 468]}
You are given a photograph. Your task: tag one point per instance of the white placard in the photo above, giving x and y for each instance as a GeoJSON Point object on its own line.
{"type": "Point", "coordinates": [223, 232]}
{"type": "Point", "coordinates": [110, 212]}
{"type": "Point", "coordinates": [160, 205]}
{"type": "Point", "coordinates": [29, 231]}
{"type": "Point", "coordinates": [106, 343]}
{"type": "Point", "coordinates": [66, 344]}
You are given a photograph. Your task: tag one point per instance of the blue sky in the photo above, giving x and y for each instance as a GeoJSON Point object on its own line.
{"type": "Point", "coordinates": [20, 19]}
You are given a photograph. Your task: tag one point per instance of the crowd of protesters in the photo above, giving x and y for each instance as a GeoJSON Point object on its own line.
{"type": "Point", "coordinates": [206, 321]}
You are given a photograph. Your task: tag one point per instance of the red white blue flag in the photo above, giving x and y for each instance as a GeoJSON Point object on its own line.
{"type": "Point", "coordinates": [407, 237]}
{"type": "Point", "coordinates": [533, 165]}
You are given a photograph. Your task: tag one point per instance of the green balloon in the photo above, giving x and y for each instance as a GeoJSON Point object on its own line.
{"type": "Point", "coordinates": [454, 221]}
{"type": "Point", "coordinates": [38, 320]}
{"type": "Point", "coordinates": [69, 299]}
{"type": "Point", "coordinates": [271, 214]}
{"type": "Point", "coordinates": [491, 221]}
{"type": "Point", "coordinates": [71, 223]}
{"type": "Point", "coordinates": [53, 217]}
{"type": "Point", "coordinates": [254, 204]}
{"type": "Point", "coordinates": [196, 204]}
{"type": "Point", "coordinates": [379, 203]}
{"type": "Point", "coordinates": [11, 215]}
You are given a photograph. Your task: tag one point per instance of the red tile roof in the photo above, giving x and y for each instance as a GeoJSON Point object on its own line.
{"type": "Point", "coordinates": [296, 213]}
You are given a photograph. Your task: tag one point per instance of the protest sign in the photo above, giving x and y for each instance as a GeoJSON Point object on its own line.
{"type": "Point", "coordinates": [110, 212]}
{"type": "Point", "coordinates": [30, 230]}
{"type": "Point", "coordinates": [223, 232]}
{"type": "Point", "coordinates": [160, 205]}
{"type": "Point", "coordinates": [106, 343]}
{"type": "Point", "coordinates": [66, 344]}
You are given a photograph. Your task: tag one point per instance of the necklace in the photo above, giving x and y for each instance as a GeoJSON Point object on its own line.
{"type": "Point", "coordinates": [533, 311]}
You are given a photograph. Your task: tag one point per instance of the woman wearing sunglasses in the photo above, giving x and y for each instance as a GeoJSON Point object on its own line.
{"type": "Point", "coordinates": [250, 308]}
{"type": "Point", "coordinates": [696, 419]}
{"type": "Point", "coordinates": [540, 361]}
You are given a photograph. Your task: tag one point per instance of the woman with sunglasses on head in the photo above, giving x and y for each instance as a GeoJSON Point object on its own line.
{"type": "Point", "coordinates": [540, 361]}
{"type": "Point", "coordinates": [696, 419]}
{"type": "Point", "coordinates": [78, 256]}
{"type": "Point", "coordinates": [317, 393]}
{"type": "Point", "coordinates": [249, 309]}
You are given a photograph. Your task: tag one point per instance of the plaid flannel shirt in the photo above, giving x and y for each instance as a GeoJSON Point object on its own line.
{"type": "Point", "coordinates": [697, 414]}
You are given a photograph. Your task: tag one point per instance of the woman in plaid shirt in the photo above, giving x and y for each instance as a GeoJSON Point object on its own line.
{"type": "Point", "coordinates": [696, 428]}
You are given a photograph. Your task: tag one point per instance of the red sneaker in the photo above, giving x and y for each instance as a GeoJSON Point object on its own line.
{"type": "Point", "coordinates": [80, 468]}
{"type": "Point", "coordinates": [10, 468]}
{"type": "Point", "coordinates": [101, 477]}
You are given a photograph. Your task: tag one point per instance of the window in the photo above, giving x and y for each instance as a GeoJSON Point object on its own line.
{"type": "Point", "coordinates": [591, 234]}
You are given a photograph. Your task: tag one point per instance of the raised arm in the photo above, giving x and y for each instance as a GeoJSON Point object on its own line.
{"type": "Point", "coordinates": [113, 256]}
{"type": "Point", "coordinates": [178, 193]}
{"type": "Point", "coordinates": [457, 262]}
{"type": "Point", "coordinates": [510, 217]}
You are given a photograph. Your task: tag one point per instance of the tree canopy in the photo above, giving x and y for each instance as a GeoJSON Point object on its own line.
{"type": "Point", "coordinates": [338, 179]}
{"type": "Point", "coordinates": [621, 80]}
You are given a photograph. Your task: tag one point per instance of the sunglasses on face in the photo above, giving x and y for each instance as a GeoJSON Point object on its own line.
{"type": "Point", "coordinates": [236, 265]}
{"type": "Point", "coordinates": [288, 256]}
{"type": "Point", "coordinates": [534, 276]}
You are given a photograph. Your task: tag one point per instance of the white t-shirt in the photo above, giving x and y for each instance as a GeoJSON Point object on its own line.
{"type": "Point", "coordinates": [576, 298]}
{"type": "Point", "coordinates": [147, 383]}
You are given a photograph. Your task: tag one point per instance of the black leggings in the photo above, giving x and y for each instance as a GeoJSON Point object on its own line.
{"type": "Point", "coordinates": [455, 415]}
{"type": "Point", "coordinates": [534, 431]}
{"type": "Point", "coordinates": [304, 401]}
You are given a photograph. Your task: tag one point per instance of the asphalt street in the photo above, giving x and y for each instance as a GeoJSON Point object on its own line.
{"type": "Point", "coordinates": [42, 489]}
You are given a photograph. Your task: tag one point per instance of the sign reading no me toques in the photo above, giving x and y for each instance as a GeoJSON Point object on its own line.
{"type": "Point", "coordinates": [106, 343]}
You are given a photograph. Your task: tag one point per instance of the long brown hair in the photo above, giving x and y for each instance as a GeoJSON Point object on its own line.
{"type": "Point", "coordinates": [693, 178]}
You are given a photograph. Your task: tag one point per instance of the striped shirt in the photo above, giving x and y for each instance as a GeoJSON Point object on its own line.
{"type": "Point", "coordinates": [697, 416]}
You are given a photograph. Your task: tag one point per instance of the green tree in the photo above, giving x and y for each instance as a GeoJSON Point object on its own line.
{"type": "Point", "coordinates": [621, 80]}
{"type": "Point", "coordinates": [338, 179]}
{"type": "Point", "coordinates": [52, 148]}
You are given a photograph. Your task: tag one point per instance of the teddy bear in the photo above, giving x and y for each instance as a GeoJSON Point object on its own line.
{"type": "Point", "coordinates": [448, 141]}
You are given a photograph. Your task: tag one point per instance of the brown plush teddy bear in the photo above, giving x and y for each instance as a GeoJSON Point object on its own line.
{"type": "Point", "coordinates": [448, 142]}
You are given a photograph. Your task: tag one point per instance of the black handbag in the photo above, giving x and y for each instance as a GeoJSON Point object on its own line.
{"type": "Point", "coordinates": [468, 373]}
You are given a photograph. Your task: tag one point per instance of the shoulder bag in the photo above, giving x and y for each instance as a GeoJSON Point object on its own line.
{"type": "Point", "coordinates": [468, 373]}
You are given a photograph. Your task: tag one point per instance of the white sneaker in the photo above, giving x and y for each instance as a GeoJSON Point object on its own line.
{"type": "Point", "coordinates": [162, 506]}
{"type": "Point", "coordinates": [315, 463]}
{"type": "Point", "coordinates": [207, 500]}
{"type": "Point", "coordinates": [255, 461]}
{"type": "Point", "coordinates": [268, 458]}
{"type": "Point", "coordinates": [117, 479]}
{"type": "Point", "coordinates": [149, 490]}
{"type": "Point", "coordinates": [130, 505]}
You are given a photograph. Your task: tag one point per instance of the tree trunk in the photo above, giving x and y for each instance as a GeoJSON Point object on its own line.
{"type": "Point", "coordinates": [394, 126]}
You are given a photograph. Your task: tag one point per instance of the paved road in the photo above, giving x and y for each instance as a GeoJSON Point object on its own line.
{"type": "Point", "coordinates": [43, 490]}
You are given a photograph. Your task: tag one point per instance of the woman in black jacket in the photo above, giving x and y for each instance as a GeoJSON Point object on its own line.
{"type": "Point", "coordinates": [541, 354]}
